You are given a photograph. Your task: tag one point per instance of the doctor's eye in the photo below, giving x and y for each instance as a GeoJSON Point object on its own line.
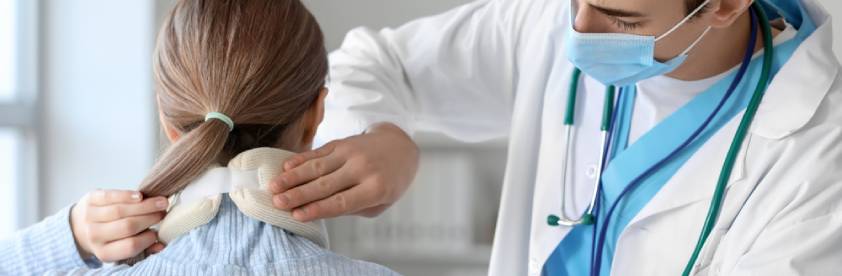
{"type": "Point", "coordinates": [626, 26]}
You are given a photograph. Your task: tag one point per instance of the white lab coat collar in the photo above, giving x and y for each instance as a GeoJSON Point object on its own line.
{"type": "Point", "coordinates": [794, 94]}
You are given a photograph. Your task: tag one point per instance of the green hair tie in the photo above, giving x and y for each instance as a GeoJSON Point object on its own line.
{"type": "Point", "coordinates": [222, 117]}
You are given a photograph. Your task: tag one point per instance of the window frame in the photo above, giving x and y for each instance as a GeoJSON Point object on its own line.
{"type": "Point", "coordinates": [20, 114]}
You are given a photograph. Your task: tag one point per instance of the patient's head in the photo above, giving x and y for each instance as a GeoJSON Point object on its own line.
{"type": "Point", "coordinates": [260, 62]}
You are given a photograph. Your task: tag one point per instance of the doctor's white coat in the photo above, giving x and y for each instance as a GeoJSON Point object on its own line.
{"type": "Point", "coordinates": [485, 70]}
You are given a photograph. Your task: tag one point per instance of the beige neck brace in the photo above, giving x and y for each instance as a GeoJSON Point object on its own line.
{"type": "Point", "coordinates": [245, 180]}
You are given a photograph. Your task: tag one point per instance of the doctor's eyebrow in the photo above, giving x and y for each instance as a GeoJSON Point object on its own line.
{"type": "Point", "coordinates": [616, 12]}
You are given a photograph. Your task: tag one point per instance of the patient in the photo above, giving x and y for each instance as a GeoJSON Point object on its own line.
{"type": "Point", "coordinates": [239, 84]}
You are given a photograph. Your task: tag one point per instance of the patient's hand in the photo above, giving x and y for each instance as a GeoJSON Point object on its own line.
{"type": "Point", "coordinates": [114, 225]}
{"type": "Point", "coordinates": [360, 175]}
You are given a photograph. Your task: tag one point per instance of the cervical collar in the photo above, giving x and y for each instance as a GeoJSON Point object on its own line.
{"type": "Point", "coordinates": [245, 180]}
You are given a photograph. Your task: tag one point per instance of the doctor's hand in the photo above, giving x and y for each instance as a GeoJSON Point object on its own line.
{"type": "Point", "coordinates": [359, 175]}
{"type": "Point", "coordinates": [114, 225]}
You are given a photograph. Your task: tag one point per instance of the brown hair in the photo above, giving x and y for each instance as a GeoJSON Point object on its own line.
{"type": "Point", "coordinates": [260, 62]}
{"type": "Point", "coordinates": [692, 5]}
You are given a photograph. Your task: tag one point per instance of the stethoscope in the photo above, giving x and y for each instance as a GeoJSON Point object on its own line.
{"type": "Point", "coordinates": [587, 218]}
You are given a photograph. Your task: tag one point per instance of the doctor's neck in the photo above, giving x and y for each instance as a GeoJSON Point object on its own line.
{"type": "Point", "coordinates": [720, 50]}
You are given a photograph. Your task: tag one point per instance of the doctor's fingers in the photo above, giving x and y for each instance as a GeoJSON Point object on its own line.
{"type": "Point", "coordinates": [126, 248]}
{"type": "Point", "coordinates": [350, 201]}
{"type": "Point", "coordinates": [319, 188]}
{"type": "Point", "coordinates": [373, 211]}
{"type": "Point", "coordinates": [123, 228]}
{"type": "Point", "coordinates": [108, 197]}
{"type": "Point", "coordinates": [300, 158]}
{"type": "Point", "coordinates": [306, 172]}
{"type": "Point", "coordinates": [118, 211]}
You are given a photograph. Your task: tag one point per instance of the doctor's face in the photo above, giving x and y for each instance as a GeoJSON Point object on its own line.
{"type": "Point", "coordinates": [645, 17]}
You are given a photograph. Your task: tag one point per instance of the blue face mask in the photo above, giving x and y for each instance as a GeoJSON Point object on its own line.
{"type": "Point", "coordinates": [619, 58]}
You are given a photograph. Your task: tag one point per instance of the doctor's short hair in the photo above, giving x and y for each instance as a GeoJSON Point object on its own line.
{"type": "Point", "coordinates": [692, 5]}
{"type": "Point", "coordinates": [263, 63]}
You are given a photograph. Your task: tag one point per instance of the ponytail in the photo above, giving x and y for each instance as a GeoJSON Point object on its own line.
{"type": "Point", "coordinates": [182, 162]}
{"type": "Point", "coordinates": [186, 159]}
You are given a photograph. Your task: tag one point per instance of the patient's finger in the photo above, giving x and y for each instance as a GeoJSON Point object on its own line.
{"type": "Point", "coordinates": [128, 247]}
{"type": "Point", "coordinates": [118, 211]}
{"type": "Point", "coordinates": [155, 248]}
{"type": "Point", "coordinates": [127, 227]}
{"type": "Point", "coordinates": [306, 172]}
{"type": "Point", "coordinates": [320, 188]}
{"type": "Point", "coordinates": [108, 197]}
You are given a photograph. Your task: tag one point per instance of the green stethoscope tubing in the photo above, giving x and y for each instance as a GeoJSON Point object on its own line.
{"type": "Point", "coordinates": [607, 112]}
{"type": "Point", "coordinates": [727, 166]}
{"type": "Point", "coordinates": [739, 137]}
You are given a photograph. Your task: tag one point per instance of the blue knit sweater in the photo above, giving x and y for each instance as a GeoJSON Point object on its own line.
{"type": "Point", "coordinates": [231, 244]}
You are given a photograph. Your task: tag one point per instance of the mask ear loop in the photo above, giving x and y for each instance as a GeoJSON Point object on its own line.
{"type": "Point", "coordinates": [680, 23]}
{"type": "Point", "coordinates": [686, 51]}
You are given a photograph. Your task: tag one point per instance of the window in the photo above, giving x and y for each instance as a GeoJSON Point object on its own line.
{"type": "Point", "coordinates": [18, 126]}
{"type": "Point", "coordinates": [8, 178]}
{"type": "Point", "coordinates": [8, 26]}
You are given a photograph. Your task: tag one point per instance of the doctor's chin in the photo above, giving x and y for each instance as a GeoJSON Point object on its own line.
{"type": "Point", "coordinates": [399, 137]}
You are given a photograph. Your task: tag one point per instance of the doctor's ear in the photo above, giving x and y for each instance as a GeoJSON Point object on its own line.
{"type": "Point", "coordinates": [723, 13]}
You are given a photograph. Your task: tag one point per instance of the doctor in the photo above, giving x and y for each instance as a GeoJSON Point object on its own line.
{"type": "Point", "coordinates": [695, 137]}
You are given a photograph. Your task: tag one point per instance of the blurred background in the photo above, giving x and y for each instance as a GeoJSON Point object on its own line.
{"type": "Point", "coordinates": [77, 113]}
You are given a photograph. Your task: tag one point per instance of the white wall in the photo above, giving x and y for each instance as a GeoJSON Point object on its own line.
{"type": "Point", "coordinates": [835, 9]}
{"type": "Point", "coordinates": [97, 120]}
{"type": "Point", "coordinates": [337, 17]}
